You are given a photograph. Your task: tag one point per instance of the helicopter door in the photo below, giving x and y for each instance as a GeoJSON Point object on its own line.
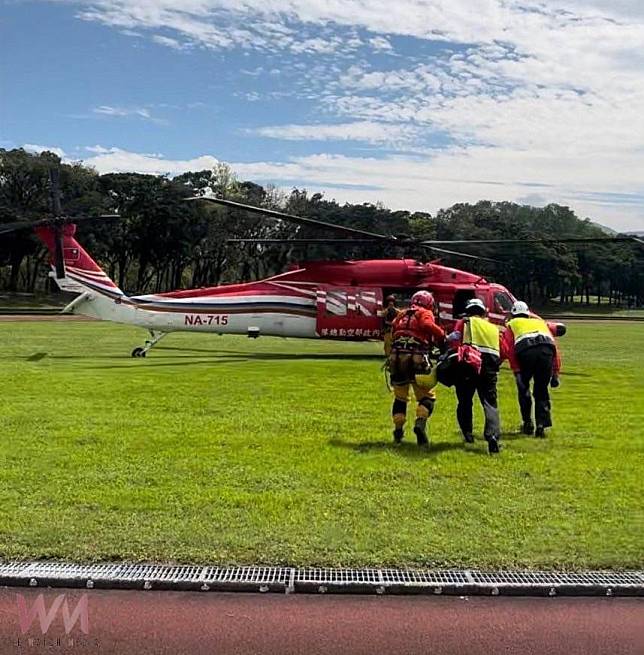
{"type": "Point", "coordinates": [460, 300]}
{"type": "Point", "coordinates": [348, 312]}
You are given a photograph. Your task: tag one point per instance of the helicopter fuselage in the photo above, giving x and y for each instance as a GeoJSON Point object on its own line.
{"type": "Point", "coordinates": [320, 299]}
{"type": "Point", "coordinates": [336, 299]}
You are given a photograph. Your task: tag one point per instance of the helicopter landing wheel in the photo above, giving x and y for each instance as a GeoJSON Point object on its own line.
{"type": "Point", "coordinates": [138, 352]}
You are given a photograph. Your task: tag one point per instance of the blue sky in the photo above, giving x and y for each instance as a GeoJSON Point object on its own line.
{"type": "Point", "coordinates": [415, 104]}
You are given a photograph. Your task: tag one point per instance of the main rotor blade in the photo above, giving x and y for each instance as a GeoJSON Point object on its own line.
{"type": "Point", "coordinates": [16, 226]}
{"type": "Point", "coordinates": [360, 242]}
{"type": "Point", "coordinates": [5, 228]}
{"type": "Point", "coordinates": [463, 242]}
{"type": "Point", "coordinates": [308, 241]}
{"type": "Point", "coordinates": [462, 254]}
{"type": "Point", "coordinates": [298, 220]}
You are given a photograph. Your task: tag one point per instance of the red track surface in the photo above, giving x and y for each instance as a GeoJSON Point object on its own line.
{"type": "Point", "coordinates": [247, 624]}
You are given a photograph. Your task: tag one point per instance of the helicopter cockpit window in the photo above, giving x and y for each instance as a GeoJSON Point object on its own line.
{"type": "Point", "coordinates": [502, 302]}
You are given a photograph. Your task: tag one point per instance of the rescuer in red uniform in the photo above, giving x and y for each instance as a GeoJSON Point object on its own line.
{"type": "Point", "coordinates": [529, 345]}
{"type": "Point", "coordinates": [414, 334]}
{"type": "Point", "coordinates": [477, 343]}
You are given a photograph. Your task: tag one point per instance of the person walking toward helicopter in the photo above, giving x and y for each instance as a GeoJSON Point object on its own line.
{"type": "Point", "coordinates": [477, 343]}
{"type": "Point", "coordinates": [529, 345]}
{"type": "Point", "coordinates": [414, 334]}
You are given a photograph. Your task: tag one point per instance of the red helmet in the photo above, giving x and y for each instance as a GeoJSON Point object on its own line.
{"type": "Point", "coordinates": [423, 299]}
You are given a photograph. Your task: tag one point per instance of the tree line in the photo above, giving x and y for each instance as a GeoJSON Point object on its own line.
{"type": "Point", "coordinates": [163, 242]}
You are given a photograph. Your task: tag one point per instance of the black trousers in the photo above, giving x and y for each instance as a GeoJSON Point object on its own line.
{"type": "Point", "coordinates": [535, 364]}
{"type": "Point", "coordinates": [485, 385]}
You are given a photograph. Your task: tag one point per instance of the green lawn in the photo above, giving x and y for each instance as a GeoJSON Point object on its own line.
{"type": "Point", "coordinates": [227, 450]}
{"type": "Point", "coordinates": [583, 310]}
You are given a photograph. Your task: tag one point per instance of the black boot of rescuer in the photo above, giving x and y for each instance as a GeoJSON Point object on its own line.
{"type": "Point", "coordinates": [541, 432]}
{"type": "Point", "coordinates": [493, 445]}
{"type": "Point", "coordinates": [399, 434]}
{"type": "Point", "coordinates": [420, 430]}
{"type": "Point", "coordinates": [527, 428]}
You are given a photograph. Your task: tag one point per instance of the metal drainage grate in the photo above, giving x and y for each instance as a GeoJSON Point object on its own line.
{"type": "Point", "coordinates": [412, 577]}
{"type": "Point", "coordinates": [407, 581]}
{"type": "Point", "coordinates": [553, 583]}
{"type": "Point", "coordinates": [247, 578]}
{"type": "Point", "coordinates": [151, 576]}
{"type": "Point", "coordinates": [320, 580]}
{"type": "Point", "coordinates": [337, 580]}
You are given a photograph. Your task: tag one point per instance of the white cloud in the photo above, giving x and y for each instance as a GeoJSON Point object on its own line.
{"type": "Point", "coordinates": [115, 160]}
{"type": "Point", "coordinates": [422, 183]}
{"type": "Point", "coordinates": [367, 131]}
{"type": "Point", "coordinates": [107, 110]}
{"type": "Point", "coordinates": [32, 147]}
{"type": "Point", "coordinates": [141, 113]}
{"type": "Point", "coordinates": [549, 93]}
{"type": "Point", "coordinates": [169, 42]}
{"type": "Point", "coordinates": [380, 43]}
{"type": "Point", "coordinates": [99, 150]}
{"type": "Point", "coordinates": [429, 183]}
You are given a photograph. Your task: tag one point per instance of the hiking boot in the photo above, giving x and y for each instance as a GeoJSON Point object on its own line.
{"type": "Point", "coordinates": [421, 433]}
{"type": "Point", "coordinates": [493, 445]}
{"type": "Point", "coordinates": [528, 428]}
{"type": "Point", "coordinates": [469, 437]}
{"type": "Point", "coordinates": [399, 433]}
{"type": "Point", "coordinates": [541, 432]}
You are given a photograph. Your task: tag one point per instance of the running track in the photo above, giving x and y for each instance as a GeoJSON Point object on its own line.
{"type": "Point", "coordinates": [157, 622]}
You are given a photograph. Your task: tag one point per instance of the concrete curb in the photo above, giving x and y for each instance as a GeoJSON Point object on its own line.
{"type": "Point", "coordinates": [321, 580]}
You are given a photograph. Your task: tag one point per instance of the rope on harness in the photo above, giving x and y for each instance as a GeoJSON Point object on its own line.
{"type": "Point", "coordinates": [385, 370]}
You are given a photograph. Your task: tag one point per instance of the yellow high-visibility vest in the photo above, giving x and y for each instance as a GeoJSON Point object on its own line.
{"type": "Point", "coordinates": [482, 335]}
{"type": "Point", "coordinates": [524, 327]}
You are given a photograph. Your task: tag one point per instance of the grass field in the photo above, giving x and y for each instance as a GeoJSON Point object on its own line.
{"type": "Point", "coordinates": [226, 450]}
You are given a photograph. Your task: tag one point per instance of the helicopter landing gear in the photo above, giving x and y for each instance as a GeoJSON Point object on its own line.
{"type": "Point", "coordinates": [155, 337]}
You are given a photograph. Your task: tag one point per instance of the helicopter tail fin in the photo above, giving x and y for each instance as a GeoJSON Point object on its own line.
{"type": "Point", "coordinates": [81, 274]}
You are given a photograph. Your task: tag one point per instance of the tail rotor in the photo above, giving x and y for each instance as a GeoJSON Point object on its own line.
{"type": "Point", "coordinates": [56, 224]}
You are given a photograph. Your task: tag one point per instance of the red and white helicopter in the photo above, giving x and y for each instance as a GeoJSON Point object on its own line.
{"type": "Point", "coordinates": [319, 299]}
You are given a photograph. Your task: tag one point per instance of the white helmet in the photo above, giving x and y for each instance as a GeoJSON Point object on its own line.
{"type": "Point", "coordinates": [475, 306]}
{"type": "Point", "coordinates": [520, 308]}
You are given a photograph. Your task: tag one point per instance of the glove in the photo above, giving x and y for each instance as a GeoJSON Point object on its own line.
{"type": "Point", "coordinates": [554, 381]}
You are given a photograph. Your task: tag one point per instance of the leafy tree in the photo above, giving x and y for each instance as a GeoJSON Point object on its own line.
{"type": "Point", "coordinates": [163, 242]}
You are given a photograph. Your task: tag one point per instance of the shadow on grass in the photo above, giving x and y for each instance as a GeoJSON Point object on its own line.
{"type": "Point", "coordinates": [282, 356]}
{"type": "Point", "coordinates": [514, 435]}
{"type": "Point", "coordinates": [218, 358]}
{"type": "Point", "coordinates": [406, 448]}
{"type": "Point", "coordinates": [315, 356]}
{"type": "Point", "coordinates": [144, 364]}
{"type": "Point", "coordinates": [36, 357]}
